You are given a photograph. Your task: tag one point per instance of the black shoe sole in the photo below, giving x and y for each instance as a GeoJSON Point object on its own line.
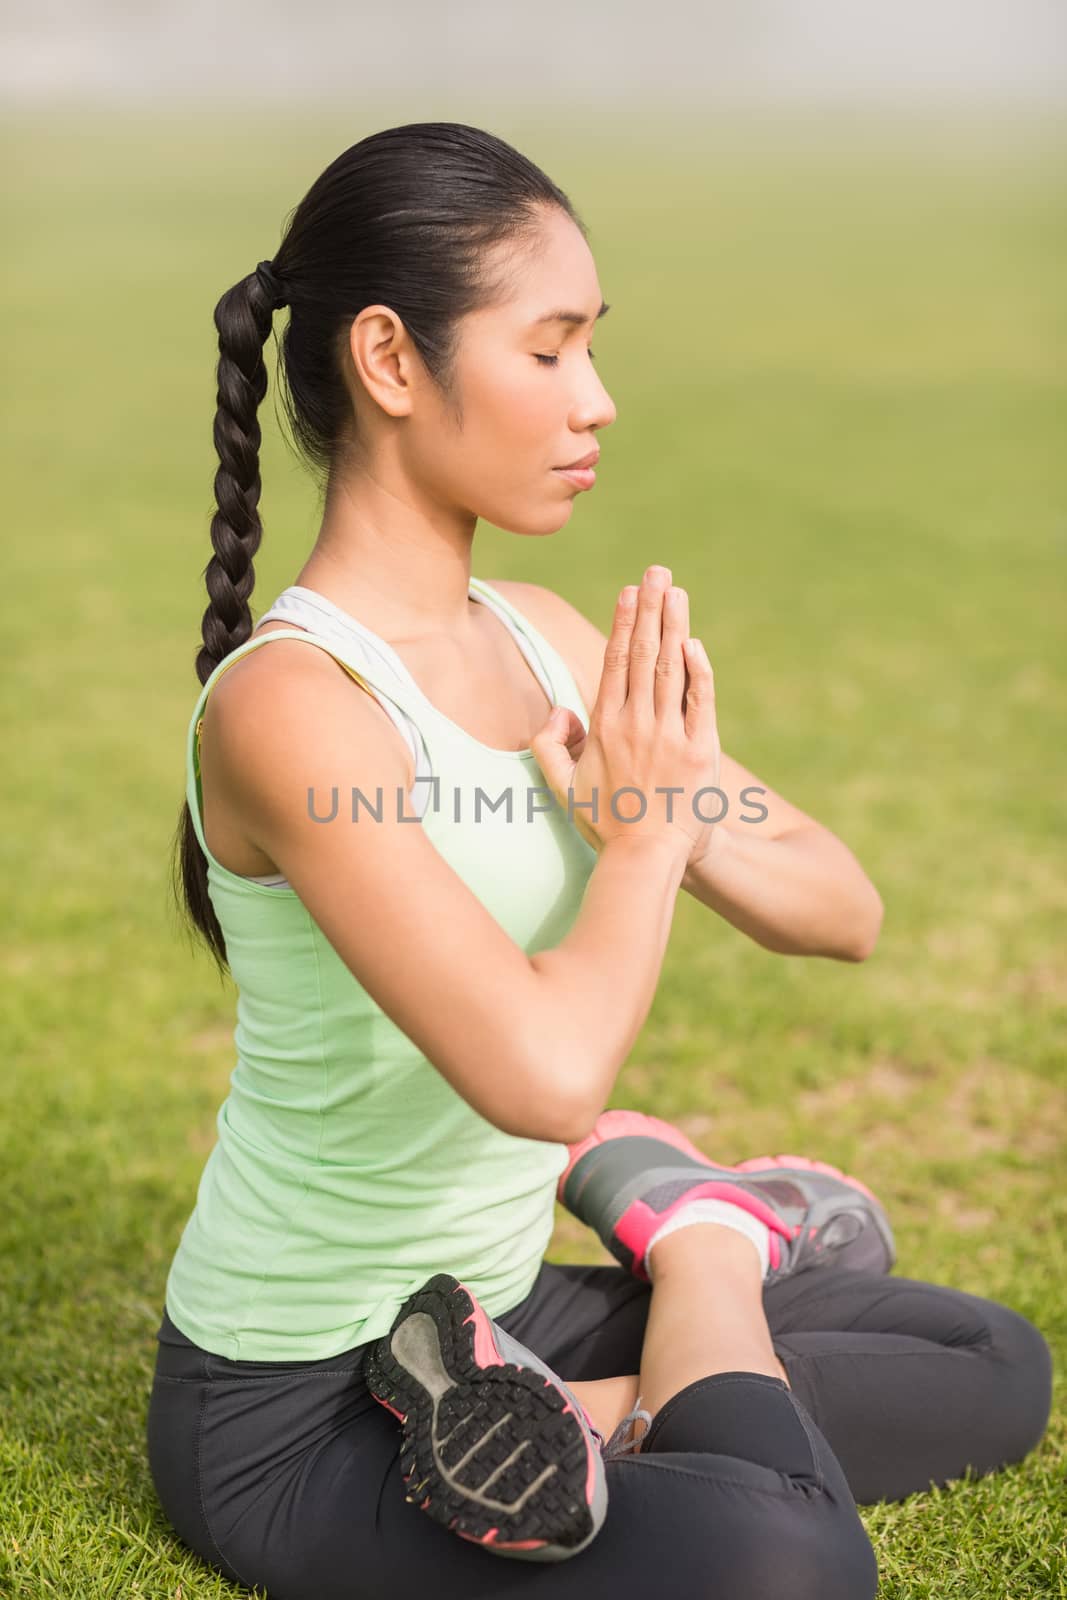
{"type": "Point", "coordinates": [463, 1421]}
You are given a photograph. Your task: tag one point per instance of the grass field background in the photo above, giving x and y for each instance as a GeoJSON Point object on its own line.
{"type": "Point", "coordinates": [839, 370]}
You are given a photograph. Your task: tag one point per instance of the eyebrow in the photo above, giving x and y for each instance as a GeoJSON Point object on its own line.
{"type": "Point", "coordinates": [577, 317]}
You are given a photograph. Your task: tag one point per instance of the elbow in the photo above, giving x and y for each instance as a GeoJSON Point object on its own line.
{"type": "Point", "coordinates": [571, 1121]}
{"type": "Point", "coordinates": [558, 1107]}
{"type": "Point", "coordinates": [547, 1107]}
{"type": "Point", "coordinates": [864, 945]}
{"type": "Point", "coordinates": [550, 1125]}
{"type": "Point", "coordinates": [577, 1128]}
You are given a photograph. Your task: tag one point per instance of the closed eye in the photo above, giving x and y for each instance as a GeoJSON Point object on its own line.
{"type": "Point", "coordinates": [552, 361]}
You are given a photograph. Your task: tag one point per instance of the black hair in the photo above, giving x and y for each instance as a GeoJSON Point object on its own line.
{"type": "Point", "coordinates": [403, 218]}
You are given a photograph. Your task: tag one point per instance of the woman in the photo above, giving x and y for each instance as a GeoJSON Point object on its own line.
{"type": "Point", "coordinates": [361, 1360]}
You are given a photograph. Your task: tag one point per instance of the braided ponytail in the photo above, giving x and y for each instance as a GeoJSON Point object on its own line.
{"type": "Point", "coordinates": [244, 319]}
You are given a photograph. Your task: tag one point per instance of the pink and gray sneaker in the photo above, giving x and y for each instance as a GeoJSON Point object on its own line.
{"type": "Point", "coordinates": [496, 1447]}
{"type": "Point", "coordinates": [634, 1171]}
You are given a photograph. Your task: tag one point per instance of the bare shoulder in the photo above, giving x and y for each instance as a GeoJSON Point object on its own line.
{"type": "Point", "coordinates": [265, 688]}
{"type": "Point", "coordinates": [292, 681]}
{"type": "Point", "coordinates": [291, 709]}
{"type": "Point", "coordinates": [577, 638]}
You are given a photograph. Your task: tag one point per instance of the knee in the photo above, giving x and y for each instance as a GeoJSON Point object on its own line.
{"type": "Point", "coordinates": [817, 1549]}
{"type": "Point", "coordinates": [1022, 1362]}
{"type": "Point", "coordinates": [844, 1565]}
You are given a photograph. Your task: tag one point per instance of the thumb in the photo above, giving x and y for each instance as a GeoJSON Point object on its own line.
{"type": "Point", "coordinates": [551, 741]}
{"type": "Point", "coordinates": [559, 725]}
{"type": "Point", "coordinates": [559, 745]}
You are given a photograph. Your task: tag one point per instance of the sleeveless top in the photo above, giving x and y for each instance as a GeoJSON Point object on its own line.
{"type": "Point", "coordinates": [346, 1169]}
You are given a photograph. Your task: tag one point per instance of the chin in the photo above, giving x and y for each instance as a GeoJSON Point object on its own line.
{"type": "Point", "coordinates": [555, 518]}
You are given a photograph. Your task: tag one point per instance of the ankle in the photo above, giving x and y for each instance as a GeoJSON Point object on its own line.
{"type": "Point", "coordinates": [688, 1249]}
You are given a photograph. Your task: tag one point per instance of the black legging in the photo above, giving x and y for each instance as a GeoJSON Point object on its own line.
{"type": "Point", "coordinates": [287, 1474]}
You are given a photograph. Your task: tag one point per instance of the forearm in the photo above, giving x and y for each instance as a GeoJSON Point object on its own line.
{"type": "Point", "coordinates": [802, 893]}
{"type": "Point", "coordinates": [598, 983]}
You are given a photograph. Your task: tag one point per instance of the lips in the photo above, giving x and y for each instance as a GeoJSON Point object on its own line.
{"type": "Point", "coordinates": [589, 460]}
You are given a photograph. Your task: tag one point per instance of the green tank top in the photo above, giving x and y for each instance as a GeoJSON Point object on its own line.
{"type": "Point", "coordinates": [346, 1169]}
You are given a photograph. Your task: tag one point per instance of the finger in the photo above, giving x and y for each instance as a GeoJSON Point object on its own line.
{"type": "Point", "coordinates": [700, 695]}
{"type": "Point", "coordinates": [670, 667]}
{"type": "Point", "coordinates": [575, 735]}
{"type": "Point", "coordinates": [576, 745]}
{"type": "Point", "coordinates": [685, 663]}
{"type": "Point", "coordinates": [614, 673]}
{"type": "Point", "coordinates": [645, 640]}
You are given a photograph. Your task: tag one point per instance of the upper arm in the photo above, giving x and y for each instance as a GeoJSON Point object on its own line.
{"type": "Point", "coordinates": [582, 644]}
{"type": "Point", "coordinates": [380, 891]}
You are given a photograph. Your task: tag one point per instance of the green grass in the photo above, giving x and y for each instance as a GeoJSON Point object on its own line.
{"type": "Point", "coordinates": [840, 382]}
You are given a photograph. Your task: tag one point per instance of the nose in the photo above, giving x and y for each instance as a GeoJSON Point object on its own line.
{"type": "Point", "coordinates": [594, 409]}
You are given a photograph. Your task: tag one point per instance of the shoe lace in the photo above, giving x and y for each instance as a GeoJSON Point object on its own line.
{"type": "Point", "coordinates": [618, 1444]}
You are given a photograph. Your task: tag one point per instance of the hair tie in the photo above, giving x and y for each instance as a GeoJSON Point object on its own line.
{"type": "Point", "coordinates": [270, 285]}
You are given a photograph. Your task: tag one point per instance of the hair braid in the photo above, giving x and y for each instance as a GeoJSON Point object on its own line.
{"type": "Point", "coordinates": [244, 319]}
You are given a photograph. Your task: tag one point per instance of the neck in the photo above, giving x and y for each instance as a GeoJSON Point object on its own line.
{"type": "Point", "coordinates": [401, 567]}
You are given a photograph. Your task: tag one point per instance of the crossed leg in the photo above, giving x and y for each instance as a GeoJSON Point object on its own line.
{"type": "Point", "coordinates": [705, 1316]}
{"type": "Point", "coordinates": [911, 1383]}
